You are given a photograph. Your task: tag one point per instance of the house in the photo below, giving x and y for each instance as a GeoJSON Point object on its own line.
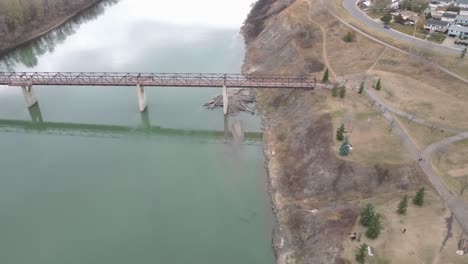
{"type": "Point", "coordinates": [449, 16]}
{"type": "Point", "coordinates": [461, 20]}
{"type": "Point", "coordinates": [456, 31]}
{"type": "Point", "coordinates": [435, 4]}
{"type": "Point", "coordinates": [395, 4]}
{"type": "Point", "coordinates": [461, 3]}
{"type": "Point", "coordinates": [436, 25]}
{"type": "Point", "coordinates": [408, 16]}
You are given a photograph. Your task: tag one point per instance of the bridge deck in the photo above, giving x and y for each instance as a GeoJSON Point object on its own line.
{"type": "Point", "coordinates": [156, 79]}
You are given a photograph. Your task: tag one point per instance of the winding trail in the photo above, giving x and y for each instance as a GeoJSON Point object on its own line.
{"type": "Point", "coordinates": [458, 207]}
{"type": "Point", "coordinates": [324, 40]}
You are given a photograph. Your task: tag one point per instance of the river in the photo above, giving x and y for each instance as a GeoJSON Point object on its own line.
{"type": "Point", "coordinates": [94, 181]}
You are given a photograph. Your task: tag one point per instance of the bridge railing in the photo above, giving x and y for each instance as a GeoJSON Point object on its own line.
{"type": "Point", "coordinates": [157, 79]}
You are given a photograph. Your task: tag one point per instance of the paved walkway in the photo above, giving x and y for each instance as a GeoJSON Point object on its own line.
{"type": "Point", "coordinates": [458, 207]}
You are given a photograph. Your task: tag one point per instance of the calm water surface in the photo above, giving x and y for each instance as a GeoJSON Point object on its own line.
{"type": "Point", "coordinates": [96, 181]}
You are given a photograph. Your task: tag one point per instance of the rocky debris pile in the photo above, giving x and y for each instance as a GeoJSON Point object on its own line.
{"type": "Point", "coordinates": [240, 100]}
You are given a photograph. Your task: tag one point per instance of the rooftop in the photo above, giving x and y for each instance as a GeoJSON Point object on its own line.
{"type": "Point", "coordinates": [437, 22]}
{"type": "Point", "coordinates": [449, 15]}
{"type": "Point", "coordinates": [459, 28]}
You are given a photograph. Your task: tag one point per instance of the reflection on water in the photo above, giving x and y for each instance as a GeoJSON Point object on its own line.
{"type": "Point", "coordinates": [38, 126]}
{"type": "Point", "coordinates": [29, 53]}
{"type": "Point", "coordinates": [86, 178]}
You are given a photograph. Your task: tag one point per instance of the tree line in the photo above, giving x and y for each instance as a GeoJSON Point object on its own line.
{"type": "Point", "coordinates": [15, 15]}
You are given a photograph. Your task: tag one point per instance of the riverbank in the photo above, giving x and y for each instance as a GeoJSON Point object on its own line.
{"type": "Point", "coordinates": [9, 44]}
{"type": "Point", "coordinates": [316, 195]}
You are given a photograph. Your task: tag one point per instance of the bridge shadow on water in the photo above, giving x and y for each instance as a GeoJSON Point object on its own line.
{"type": "Point", "coordinates": [232, 133]}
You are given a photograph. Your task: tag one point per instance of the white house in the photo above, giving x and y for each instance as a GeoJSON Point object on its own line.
{"type": "Point", "coordinates": [457, 31]}
{"type": "Point", "coordinates": [461, 3]}
{"type": "Point", "coordinates": [461, 20]}
{"type": "Point", "coordinates": [436, 25]}
{"type": "Point", "coordinates": [395, 4]}
{"type": "Point", "coordinates": [435, 4]}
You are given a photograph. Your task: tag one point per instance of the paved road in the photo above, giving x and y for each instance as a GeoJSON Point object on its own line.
{"type": "Point", "coordinates": [457, 206]}
{"type": "Point", "coordinates": [355, 11]}
{"type": "Point", "coordinates": [325, 3]}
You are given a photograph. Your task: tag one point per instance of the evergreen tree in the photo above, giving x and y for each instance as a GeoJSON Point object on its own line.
{"type": "Point", "coordinates": [361, 254]}
{"type": "Point", "coordinates": [325, 76]}
{"type": "Point", "coordinates": [378, 85]}
{"type": "Point", "coordinates": [419, 198]}
{"type": "Point", "coordinates": [340, 133]}
{"type": "Point", "coordinates": [345, 148]}
{"type": "Point", "coordinates": [375, 226]}
{"type": "Point", "coordinates": [335, 90]}
{"type": "Point", "coordinates": [342, 92]}
{"type": "Point", "coordinates": [361, 88]}
{"type": "Point", "coordinates": [403, 205]}
{"type": "Point", "coordinates": [367, 214]}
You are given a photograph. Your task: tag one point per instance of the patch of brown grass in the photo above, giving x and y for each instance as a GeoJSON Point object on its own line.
{"type": "Point", "coordinates": [421, 135]}
{"type": "Point", "coordinates": [439, 104]}
{"type": "Point", "coordinates": [372, 140]}
{"type": "Point", "coordinates": [424, 241]}
{"type": "Point", "coordinates": [452, 165]}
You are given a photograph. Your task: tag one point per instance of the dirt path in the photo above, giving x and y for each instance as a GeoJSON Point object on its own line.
{"type": "Point", "coordinates": [324, 41]}
{"type": "Point", "coordinates": [458, 207]}
{"type": "Point", "coordinates": [377, 60]}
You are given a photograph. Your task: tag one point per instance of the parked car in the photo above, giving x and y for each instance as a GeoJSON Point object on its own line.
{"type": "Point", "coordinates": [386, 27]}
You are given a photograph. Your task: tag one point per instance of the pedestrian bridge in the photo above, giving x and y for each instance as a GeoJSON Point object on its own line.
{"type": "Point", "coordinates": [26, 80]}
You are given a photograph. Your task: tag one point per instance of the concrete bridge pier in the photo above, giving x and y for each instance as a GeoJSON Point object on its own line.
{"type": "Point", "coordinates": [35, 113]}
{"type": "Point", "coordinates": [142, 104]}
{"type": "Point", "coordinates": [225, 100]}
{"type": "Point", "coordinates": [29, 96]}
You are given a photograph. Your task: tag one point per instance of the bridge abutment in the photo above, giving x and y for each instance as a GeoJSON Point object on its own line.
{"type": "Point", "coordinates": [225, 100]}
{"type": "Point", "coordinates": [142, 103]}
{"type": "Point", "coordinates": [29, 96]}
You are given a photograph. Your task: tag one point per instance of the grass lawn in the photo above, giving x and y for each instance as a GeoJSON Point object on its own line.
{"type": "Point", "coordinates": [437, 37]}
{"type": "Point", "coordinates": [376, 14]}
{"type": "Point", "coordinates": [407, 29]}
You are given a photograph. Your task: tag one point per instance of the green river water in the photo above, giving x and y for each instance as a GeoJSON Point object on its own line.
{"type": "Point", "coordinates": [93, 184]}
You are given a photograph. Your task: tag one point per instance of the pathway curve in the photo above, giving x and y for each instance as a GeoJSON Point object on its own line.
{"type": "Point", "coordinates": [456, 205]}
{"type": "Point", "coordinates": [393, 47]}
{"type": "Point", "coordinates": [352, 8]}
{"type": "Point", "coordinates": [324, 41]}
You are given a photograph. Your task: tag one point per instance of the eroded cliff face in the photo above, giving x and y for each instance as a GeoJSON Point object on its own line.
{"type": "Point", "coordinates": [314, 193]}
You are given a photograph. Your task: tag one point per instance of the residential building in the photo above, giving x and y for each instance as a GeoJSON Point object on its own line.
{"type": "Point", "coordinates": [435, 4]}
{"type": "Point", "coordinates": [449, 16]}
{"type": "Point", "coordinates": [456, 31]}
{"type": "Point", "coordinates": [461, 3]}
{"type": "Point", "coordinates": [436, 25]}
{"type": "Point", "coordinates": [408, 16]}
{"type": "Point", "coordinates": [461, 20]}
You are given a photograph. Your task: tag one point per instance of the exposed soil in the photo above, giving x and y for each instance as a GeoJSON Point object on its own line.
{"type": "Point", "coordinates": [315, 194]}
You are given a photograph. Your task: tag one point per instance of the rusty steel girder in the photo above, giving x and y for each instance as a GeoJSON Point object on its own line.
{"type": "Point", "coordinates": [157, 79]}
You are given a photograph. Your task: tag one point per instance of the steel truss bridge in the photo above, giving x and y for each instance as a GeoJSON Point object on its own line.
{"type": "Point", "coordinates": [29, 79]}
